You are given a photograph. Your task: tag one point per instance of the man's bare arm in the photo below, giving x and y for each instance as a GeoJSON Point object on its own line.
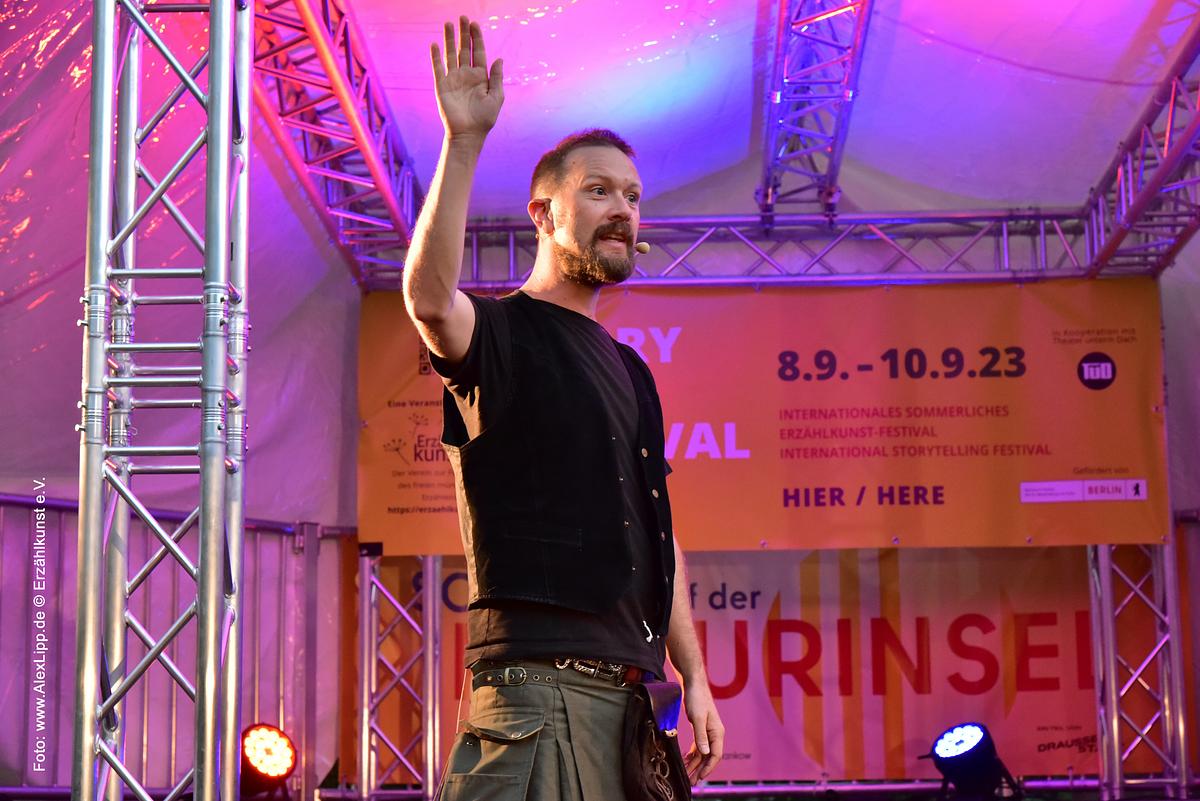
{"type": "Point", "coordinates": [684, 648]}
{"type": "Point", "coordinates": [469, 100]}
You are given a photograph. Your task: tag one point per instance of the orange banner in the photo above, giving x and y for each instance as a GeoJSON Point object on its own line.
{"type": "Point", "coordinates": [948, 415]}
{"type": "Point", "coordinates": [847, 665]}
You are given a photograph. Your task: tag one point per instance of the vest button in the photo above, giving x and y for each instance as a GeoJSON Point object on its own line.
{"type": "Point", "coordinates": [626, 524]}
{"type": "Point", "coordinates": [645, 452]}
{"type": "Point", "coordinates": [662, 535]}
{"type": "Point", "coordinates": [654, 492]}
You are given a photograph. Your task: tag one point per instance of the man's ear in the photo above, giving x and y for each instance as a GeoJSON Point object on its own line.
{"type": "Point", "coordinates": [539, 212]}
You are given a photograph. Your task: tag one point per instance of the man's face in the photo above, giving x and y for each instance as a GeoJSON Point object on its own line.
{"type": "Point", "coordinates": [595, 214]}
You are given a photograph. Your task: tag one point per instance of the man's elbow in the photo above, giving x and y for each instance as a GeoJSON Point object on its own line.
{"type": "Point", "coordinates": [423, 306]}
{"type": "Point", "coordinates": [426, 313]}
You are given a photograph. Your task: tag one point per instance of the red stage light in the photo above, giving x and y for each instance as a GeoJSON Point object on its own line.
{"type": "Point", "coordinates": [269, 754]}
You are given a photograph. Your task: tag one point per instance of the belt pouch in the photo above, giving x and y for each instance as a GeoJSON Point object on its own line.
{"type": "Point", "coordinates": [653, 768]}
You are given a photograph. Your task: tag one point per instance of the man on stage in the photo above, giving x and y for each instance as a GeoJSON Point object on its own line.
{"type": "Point", "coordinates": [555, 435]}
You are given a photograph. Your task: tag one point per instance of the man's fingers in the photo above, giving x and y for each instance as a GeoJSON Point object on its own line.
{"type": "Point", "coordinates": [464, 42]}
{"type": "Point", "coordinates": [439, 66]}
{"type": "Point", "coordinates": [496, 79]}
{"type": "Point", "coordinates": [701, 733]}
{"type": "Point", "coordinates": [478, 53]}
{"type": "Point", "coordinates": [691, 764]}
{"type": "Point", "coordinates": [451, 48]}
{"type": "Point", "coordinates": [716, 738]}
{"type": "Point", "coordinates": [716, 741]}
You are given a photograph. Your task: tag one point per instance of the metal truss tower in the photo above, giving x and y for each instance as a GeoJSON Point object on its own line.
{"type": "Point", "coordinates": [416, 675]}
{"type": "Point", "coordinates": [818, 52]}
{"type": "Point", "coordinates": [1136, 629]}
{"type": "Point", "coordinates": [1143, 211]}
{"type": "Point", "coordinates": [124, 377]}
{"type": "Point", "coordinates": [315, 91]}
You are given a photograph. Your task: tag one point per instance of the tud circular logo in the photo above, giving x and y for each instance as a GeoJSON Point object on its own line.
{"type": "Point", "coordinates": [1097, 371]}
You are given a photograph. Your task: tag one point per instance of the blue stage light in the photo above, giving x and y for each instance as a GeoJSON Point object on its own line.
{"type": "Point", "coordinates": [958, 741]}
{"type": "Point", "coordinates": [966, 757]}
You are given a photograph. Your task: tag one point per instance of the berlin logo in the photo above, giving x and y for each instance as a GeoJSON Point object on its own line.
{"type": "Point", "coordinates": [1097, 371]}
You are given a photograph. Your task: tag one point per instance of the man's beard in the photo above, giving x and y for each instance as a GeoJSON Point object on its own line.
{"type": "Point", "coordinates": [591, 268]}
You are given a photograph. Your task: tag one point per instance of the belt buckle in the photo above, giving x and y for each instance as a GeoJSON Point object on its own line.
{"type": "Point", "coordinates": [610, 671]}
{"type": "Point", "coordinates": [596, 668]}
{"type": "Point", "coordinates": [514, 676]}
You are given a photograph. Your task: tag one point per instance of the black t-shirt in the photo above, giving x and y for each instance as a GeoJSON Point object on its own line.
{"type": "Point", "coordinates": [521, 630]}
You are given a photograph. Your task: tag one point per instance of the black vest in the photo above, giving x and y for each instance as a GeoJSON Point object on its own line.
{"type": "Point", "coordinates": [539, 499]}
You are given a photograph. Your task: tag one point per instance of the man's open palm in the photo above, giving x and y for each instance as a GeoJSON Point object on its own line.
{"type": "Point", "coordinates": [469, 98]}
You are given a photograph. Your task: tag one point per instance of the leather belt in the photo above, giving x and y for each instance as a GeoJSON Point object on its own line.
{"type": "Point", "coordinates": [513, 676]}
{"type": "Point", "coordinates": [545, 673]}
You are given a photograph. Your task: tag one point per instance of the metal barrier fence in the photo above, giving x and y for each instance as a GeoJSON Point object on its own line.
{"type": "Point", "coordinates": [38, 550]}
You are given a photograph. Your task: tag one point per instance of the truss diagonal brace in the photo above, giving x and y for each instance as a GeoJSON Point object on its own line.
{"type": "Point", "coordinates": [1152, 177]}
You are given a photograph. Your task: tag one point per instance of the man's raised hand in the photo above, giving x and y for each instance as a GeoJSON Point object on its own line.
{"type": "Point", "coordinates": [469, 98]}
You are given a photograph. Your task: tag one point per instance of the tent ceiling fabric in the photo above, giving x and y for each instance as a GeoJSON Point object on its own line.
{"type": "Point", "coordinates": [1008, 104]}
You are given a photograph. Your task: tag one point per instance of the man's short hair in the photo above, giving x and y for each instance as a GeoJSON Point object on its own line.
{"type": "Point", "coordinates": [552, 164]}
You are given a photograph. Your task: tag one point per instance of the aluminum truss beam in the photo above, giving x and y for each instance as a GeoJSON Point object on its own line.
{"type": "Point", "coordinates": [317, 94]}
{"type": "Point", "coordinates": [814, 78]}
{"type": "Point", "coordinates": [122, 376]}
{"type": "Point", "coordinates": [1147, 205]}
{"type": "Point", "coordinates": [415, 674]}
{"type": "Point", "coordinates": [939, 247]}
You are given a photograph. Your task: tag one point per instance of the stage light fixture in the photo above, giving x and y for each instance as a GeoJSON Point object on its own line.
{"type": "Point", "coordinates": [966, 757]}
{"type": "Point", "coordinates": [268, 759]}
